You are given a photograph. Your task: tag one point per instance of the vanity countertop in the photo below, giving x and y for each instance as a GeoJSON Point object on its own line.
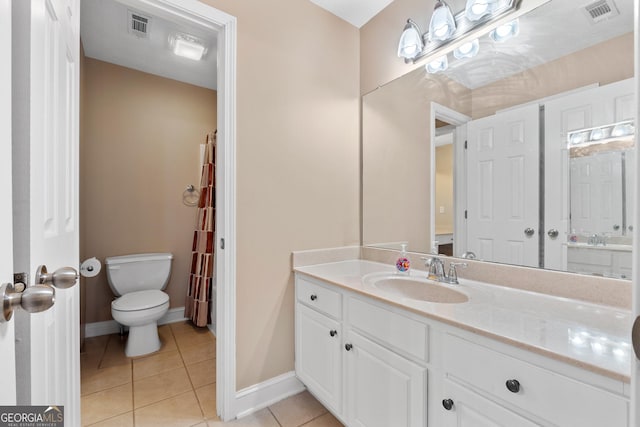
{"type": "Point", "coordinates": [607, 247]}
{"type": "Point", "coordinates": [590, 336]}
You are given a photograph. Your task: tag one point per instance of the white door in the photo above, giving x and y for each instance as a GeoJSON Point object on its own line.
{"type": "Point", "coordinates": [503, 186]}
{"type": "Point", "coordinates": [588, 108]}
{"type": "Point", "coordinates": [7, 352]}
{"type": "Point", "coordinates": [45, 182]}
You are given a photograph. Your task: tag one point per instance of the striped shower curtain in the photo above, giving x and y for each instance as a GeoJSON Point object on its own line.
{"type": "Point", "coordinates": [198, 303]}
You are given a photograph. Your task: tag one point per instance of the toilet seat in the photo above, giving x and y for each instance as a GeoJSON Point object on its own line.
{"type": "Point", "coordinates": [140, 300]}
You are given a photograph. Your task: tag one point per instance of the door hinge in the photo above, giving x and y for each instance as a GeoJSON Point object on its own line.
{"type": "Point", "coordinates": [465, 214]}
{"type": "Point", "coordinates": [222, 243]}
{"type": "Point", "coordinates": [465, 144]}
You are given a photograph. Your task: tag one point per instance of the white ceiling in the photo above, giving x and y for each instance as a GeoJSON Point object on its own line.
{"type": "Point", "coordinates": [105, 36]}
{"type": "Point", "coordinates": [549, 32]}
{"type": "Point", "coordinates": [355, 12]}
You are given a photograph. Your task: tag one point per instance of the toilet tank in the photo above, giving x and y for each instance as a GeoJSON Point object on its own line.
{"type": "Point", "coordinates": [138, 272]}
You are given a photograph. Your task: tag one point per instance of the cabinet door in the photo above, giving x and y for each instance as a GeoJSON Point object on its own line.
{"type": "Point", "coordinates": [468, 409]}
{"type": "Point", "coordinates": [319, 356]}
{"type": "Point", "coordinates": [383, 389]}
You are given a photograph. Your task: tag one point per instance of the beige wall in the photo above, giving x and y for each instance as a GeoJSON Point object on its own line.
{"type": "Point", "coordinates": [139, 149]}
{"type": "Point", "coordinates": [444, 189]}
{"type": "Point", "coordinates": [604, 63]}
{"type": "Point", "coordinates": [297, 165]}
{"type": "Point", "coordinates": [396, 154]}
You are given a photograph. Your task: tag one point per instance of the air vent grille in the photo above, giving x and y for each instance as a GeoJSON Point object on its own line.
{"type": "Point", "coordinates": [601, 10]}
{"type": "Point", "coordinates": [139, 24]}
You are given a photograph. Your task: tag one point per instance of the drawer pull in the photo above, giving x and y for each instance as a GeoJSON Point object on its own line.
{"type": "Point", "coordinates": [513, 386]}
{"type": "Point", "coordinates": [447, 403]}
{"type": "Point", "coordinates": [348, 347]}
{"type": "Point", "coordinates": [313, 297]}
{"type": "Point", "coordinates": [333, 332]}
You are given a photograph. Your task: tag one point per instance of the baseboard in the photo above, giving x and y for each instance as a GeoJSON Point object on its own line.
{"type": "Point", "coordinates": [259, 396]}
{"type": "Point", "coordinates": [109, 327]}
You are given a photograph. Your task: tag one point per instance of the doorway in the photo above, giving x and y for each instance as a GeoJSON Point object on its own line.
{"type": "Point", "coordinates": [193, 14]}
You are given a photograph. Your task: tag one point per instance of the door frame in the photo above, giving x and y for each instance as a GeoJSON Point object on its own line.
{"type": "Point", "coordinates": [225, 25]}
{"type": "Point", "coordinates": [458, 120]}
{"type": "Point", "coordinates": [7, 330]}
{"type": "Point", "coordinates": [635, 284]}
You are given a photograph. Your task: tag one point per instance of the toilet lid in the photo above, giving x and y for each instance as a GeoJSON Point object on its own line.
{"type": "Point", "coordinates": [140, 300]}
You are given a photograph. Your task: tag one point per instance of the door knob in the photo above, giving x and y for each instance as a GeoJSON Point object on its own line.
{"type": "Point", "coordinates": [553, 233]}
{"type": "Point", "coordinates": [62, 278]}
{"type": "Point", "coordinates": [529, 231]}
{"type": "Point", "coordinates": [34, 299]}
{"type": "Point", "coordinates": [513, 386]}
{"type": "Point", "coordinates": [447, 404]}
{"type": "Point", "coordinates": [635, 337]}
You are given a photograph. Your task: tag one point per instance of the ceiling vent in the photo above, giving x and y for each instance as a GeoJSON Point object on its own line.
{"type": "Point", "coordinates": [601, 10]}
{"type": "Point", "coordinates": [139, 24]}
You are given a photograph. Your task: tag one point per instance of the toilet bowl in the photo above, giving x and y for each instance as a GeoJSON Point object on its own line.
{"type": "Point", "coordinates": [138, 280]}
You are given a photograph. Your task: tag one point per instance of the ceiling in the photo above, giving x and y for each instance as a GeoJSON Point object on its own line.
{"type": "Point", "coordinates": [558, 28]}
{"type": "Point", "coordinates": [355, 12]}
{"type": "Point", "coordinates": [105, 35]}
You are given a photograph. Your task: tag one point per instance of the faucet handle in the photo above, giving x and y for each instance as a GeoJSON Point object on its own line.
{"type": "Point", "coordinates": [452, 277]}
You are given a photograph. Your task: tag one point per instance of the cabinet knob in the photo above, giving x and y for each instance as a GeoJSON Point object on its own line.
{"type": "Point", "coordinates": [348, 347]}
{"type": "Point", "coordinates": [513, 386]}
{"type": "Point", "coordinates": [447, 403]}
{"type": "Point", "coordinates": [313, 297]}
{"type": "Point", "coordinates": [333, 332]}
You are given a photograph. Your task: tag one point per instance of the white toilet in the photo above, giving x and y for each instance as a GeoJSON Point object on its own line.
{"type": "Point", "coordinates": [138, 280]}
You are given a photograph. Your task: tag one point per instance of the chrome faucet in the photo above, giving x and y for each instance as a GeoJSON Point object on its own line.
{"type": "Point", "coordinates": [436, 270]}
{"type": "Point", "coordinates": [452, 277]}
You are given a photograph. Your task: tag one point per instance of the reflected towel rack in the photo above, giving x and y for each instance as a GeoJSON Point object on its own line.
{"type": "Point", "coordinates": [190, 196]}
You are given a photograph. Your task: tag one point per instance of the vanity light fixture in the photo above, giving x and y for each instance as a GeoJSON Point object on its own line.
{"type": "Point", "coordinates": [467, 50]}
{"type": "Point", "coordinates": [476, 9]}
{"type": "Point", "coordinates": [411, 43]}
{"type": "Point", "coordinates": [622, 131]}
{"type": "Point", "coordinates": [442, 24]}
{"type": "Point", "coordinates": [187, 46]}
{"type": "Point", "coordinates": [506, 31]}
{"type": "Point", "coordinates": [437, 65]}
{"type": "Point", "coordinates": [444, 28]}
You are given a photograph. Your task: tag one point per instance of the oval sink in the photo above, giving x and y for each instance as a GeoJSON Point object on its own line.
{"type": "Point", "coordinates": [416, 289]}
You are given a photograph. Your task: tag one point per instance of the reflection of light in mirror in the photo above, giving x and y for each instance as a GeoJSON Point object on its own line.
{"type": "Point", "coordinates": [467, 50]}
{"type": "Point", "coordinates": [597, 134]}
{"type": "Point", "coordinates": [506, 31]}
{"type": "Point", "coordinates": [601, 134]}
{"type": "Point", "coordinates": [437, 65]}
{"type": "Point", "coordinates": [622, 129]}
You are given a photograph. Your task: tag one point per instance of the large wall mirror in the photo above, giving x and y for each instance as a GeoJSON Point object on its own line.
{"type": "Point", "coordinates": [521, 154]}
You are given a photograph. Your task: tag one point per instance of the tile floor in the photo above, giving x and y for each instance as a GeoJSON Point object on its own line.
{"type": "Point", "coordinates": [174, 387]}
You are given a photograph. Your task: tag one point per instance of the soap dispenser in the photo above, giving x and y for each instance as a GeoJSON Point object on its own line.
{"type": "Point", "coordinates": [402, 263]}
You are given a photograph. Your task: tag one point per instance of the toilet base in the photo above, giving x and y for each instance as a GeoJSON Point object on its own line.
{"type": "Point", "coordinates": [142, 340]}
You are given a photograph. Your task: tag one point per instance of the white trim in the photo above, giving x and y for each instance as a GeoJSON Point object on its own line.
{"type": "Point", "coordinates": [108, 327]}
{"type": "Point", "coordinates": [202, 14]}
{"type": "Point", "coordinates": [259, 396]}
{"type": "Point", "coordinates": [457, 119]}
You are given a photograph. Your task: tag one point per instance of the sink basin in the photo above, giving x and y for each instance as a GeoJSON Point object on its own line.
{"type": "Point", "coordinates": [416, 289]}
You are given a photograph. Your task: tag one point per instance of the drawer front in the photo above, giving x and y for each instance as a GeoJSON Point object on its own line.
{"type": "Point", "coordinates": [382, 325]}
{"type": "Point", "coordinates": [541, 392]}
{"type": "Point", "coordinates": [318, 297]}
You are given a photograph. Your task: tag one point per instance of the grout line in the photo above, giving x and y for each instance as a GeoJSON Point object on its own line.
{"type": "Point", "coordinates": [274, 416]}
{"type": "Point", "coordinates": [110, 418]}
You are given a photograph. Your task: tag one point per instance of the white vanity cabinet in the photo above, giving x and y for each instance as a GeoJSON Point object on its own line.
{"type": "Point", "coordinates": [369, 362]}
{"type": "Point", "coordinates": [364, 380]}
{"type": "Point", "coordinates": [535, 395]}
